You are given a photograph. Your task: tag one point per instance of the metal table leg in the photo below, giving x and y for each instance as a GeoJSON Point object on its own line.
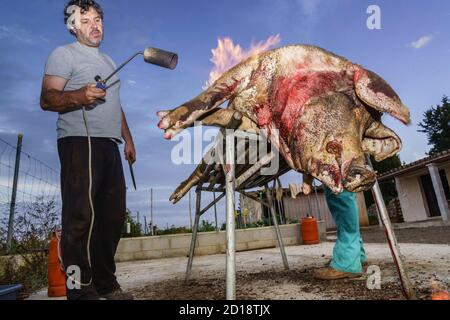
{"type": "Point", "coordinates": [231, 240]}
{"type": "Point", "coordinates": [277, 228]}
{"type": "Point", "coordinates": [407, 287]}
{"type": "Point", "coordinates": [194, 235]}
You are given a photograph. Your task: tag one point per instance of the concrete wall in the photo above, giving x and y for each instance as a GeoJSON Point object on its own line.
{"type": "Point", "coordinates": [208, 243]}
{"type": "Point", "coordinates": [412, 200]}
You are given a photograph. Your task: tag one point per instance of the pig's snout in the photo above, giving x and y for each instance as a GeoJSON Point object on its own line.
{"type": "Point", "coordinates": [359, 179]}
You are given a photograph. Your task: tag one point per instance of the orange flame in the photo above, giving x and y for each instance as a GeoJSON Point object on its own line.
{"type": "Point", "coordinates": [227, 55]}
{"type": "Point", "coordinates": [443, 295]}
{"type": "Point", "coordinates": [438, 293]}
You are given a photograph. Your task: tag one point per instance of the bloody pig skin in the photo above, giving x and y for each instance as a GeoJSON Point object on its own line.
{"type": "Point", "coordinates": [320, 110]}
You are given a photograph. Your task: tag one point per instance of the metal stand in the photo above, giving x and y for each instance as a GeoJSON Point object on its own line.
{"type": "Point", "coordinates": [407, 287]}
{"type": "Point", "coordinates": [228, 188]}
{"type": "Point", "coordinates": [277, 228]}
{"type": "Point", "coordinates": [198, 214]}
{"type": "Point", "coordinates": [231, 234]}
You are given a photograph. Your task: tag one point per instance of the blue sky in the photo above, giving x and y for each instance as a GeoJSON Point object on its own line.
{"type": "Point", "coordinates": [30, 30]}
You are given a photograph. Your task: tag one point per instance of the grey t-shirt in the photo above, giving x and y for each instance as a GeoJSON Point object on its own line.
{"type": "Point", "coordinates": [80, 64]}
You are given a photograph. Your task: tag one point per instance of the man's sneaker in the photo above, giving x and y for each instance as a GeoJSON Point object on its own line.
{"type": "Point", "coordinates": [333, 274]}
{"type": "Point", "coordinates": [117, 294]}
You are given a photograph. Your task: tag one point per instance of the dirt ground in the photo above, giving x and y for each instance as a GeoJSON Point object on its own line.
{"type": "Point", "coordinates": [269, 285]}
{"type": "Point", "coordinates": [265, 279]}
{"type": "Point", "coordinates": [261, 276]}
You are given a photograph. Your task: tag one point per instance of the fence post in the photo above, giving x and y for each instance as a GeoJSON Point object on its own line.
{"type": "Point", "coordinates": [14, 193]}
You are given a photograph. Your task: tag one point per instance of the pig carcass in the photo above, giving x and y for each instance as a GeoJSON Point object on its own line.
{"type": "Point", "coordinates": [322, 112]}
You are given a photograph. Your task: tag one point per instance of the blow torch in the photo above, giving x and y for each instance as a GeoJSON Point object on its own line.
{"type": "Point", "coordinates": [154, 56]}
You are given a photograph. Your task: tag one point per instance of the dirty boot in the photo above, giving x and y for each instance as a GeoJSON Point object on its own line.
{"type": "Point", "coordinates": [363, 264]}
{"type": "Point", "coordinates": [117, 294]}
{"type": "Point", "coordinates": [333, 274]}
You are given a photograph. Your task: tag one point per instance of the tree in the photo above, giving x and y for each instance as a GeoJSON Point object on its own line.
{"type": "Point", "coordinates": [436, 125]}
{"type": "Point", "coordinates": [135, 227]}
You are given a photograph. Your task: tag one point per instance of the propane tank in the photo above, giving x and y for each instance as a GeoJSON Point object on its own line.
{"type": "Point", "coordinates": [309, 230]}
{"type": "Point", "coordinates": [56, 276]}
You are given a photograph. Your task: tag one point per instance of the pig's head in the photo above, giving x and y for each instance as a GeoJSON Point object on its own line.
{"type": "Point", "coordinates": [327, 143]}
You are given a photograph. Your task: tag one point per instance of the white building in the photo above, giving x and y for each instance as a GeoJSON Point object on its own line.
{"type": "Point", "coordinates": [299, 207]}
{"type": "Point", "coordinates": [423, 187]}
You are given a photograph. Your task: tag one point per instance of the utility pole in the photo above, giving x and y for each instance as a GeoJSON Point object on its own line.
{"type": "Point", "coordinates": [138, 220]}
{"type": "Point", "coordinates": [14, 193]}
{"type": "Point", "coordinates": [151, 211]}
{"type": "Point", "coordinates": [190, 211]}
{"type": "Point", "coordinates": [145, 226]}
{"type": "Point", "coordinates": [215, 211]}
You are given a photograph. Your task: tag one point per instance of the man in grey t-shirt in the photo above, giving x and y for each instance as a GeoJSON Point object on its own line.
{"type": "Point", "coordinates": [89, 235]}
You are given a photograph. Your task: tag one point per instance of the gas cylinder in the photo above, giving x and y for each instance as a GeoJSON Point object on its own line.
{"type": "Point", "coordinates": [56, 276]}
{"type": "Point", "coordinates": [309, 230]}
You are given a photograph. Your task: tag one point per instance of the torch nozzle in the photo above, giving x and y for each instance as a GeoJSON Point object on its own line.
{"type": "Point", "coordinates": [161, 58]}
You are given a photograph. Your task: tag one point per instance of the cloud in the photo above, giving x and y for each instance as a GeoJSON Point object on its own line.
{"type": "Point", "coordinates": [422, 42]}
{"type": "Point", "coordinates": [132, 82]}
{"type": "Point", "coordinates": [300, 17]}
{"type": "Point", "coordinates": [20, 34]}
{"type": "Point", "coordinates": [310, 7]}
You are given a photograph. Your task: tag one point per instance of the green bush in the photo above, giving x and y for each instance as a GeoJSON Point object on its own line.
{"type": "Point", "coordinates": [206, 226]}
{"type": "Point", "coordinates": [135, 227]}
{"type": "Point", "coordinates": [28, 264]}
{"type": "Point", "coordinates": [172, 230]}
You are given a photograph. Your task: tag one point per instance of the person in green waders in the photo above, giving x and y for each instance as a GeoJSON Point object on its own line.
{"type": "Point", "coordinates": [348, 254]}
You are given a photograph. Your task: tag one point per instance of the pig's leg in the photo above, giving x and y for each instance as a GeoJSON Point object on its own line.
{"type": "Point", "coordinates": [222, 117]}
{"type": "Point", "coordinates": [380, 141]}
{"type": "Point", "coordinates": [186, 185]}
{"type": "Point", "coordinates": [225, 88]}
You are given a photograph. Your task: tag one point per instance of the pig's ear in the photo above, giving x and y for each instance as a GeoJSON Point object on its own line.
{"type": "Point", "coordinates": [380, 141]}
{"type": "Point", "coordinates": [378, 94]}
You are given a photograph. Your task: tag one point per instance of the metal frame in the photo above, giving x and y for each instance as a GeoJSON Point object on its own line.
{"type": "Point", "coordinates": [232, 184]}
{"type": "Point", "coordinates": [407, 288]}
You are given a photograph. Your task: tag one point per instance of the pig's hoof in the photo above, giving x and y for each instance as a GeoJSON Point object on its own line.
{"type": "Point", "coordinates": [175, 197]}
{"type": "Point", "coordinates": [162, 114]}
{"type": "Point", "coordinates": [164, 124]}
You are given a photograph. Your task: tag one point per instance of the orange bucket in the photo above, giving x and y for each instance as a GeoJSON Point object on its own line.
{"type": "Point", "coordinates": [309, 230]}
{"type": "Point", "coordinates": [56, 276]}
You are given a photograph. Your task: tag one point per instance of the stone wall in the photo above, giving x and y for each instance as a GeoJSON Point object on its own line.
{"type": "Point", "coordinates": [208, 243]}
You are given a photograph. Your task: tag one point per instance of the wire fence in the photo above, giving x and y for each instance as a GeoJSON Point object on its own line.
{"type": "Point", "coordinates": [34, 188]}
{"type": "Point", "coordinates": [146, 209]}
{"type": "Point", "coordinates": [37, 199]}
